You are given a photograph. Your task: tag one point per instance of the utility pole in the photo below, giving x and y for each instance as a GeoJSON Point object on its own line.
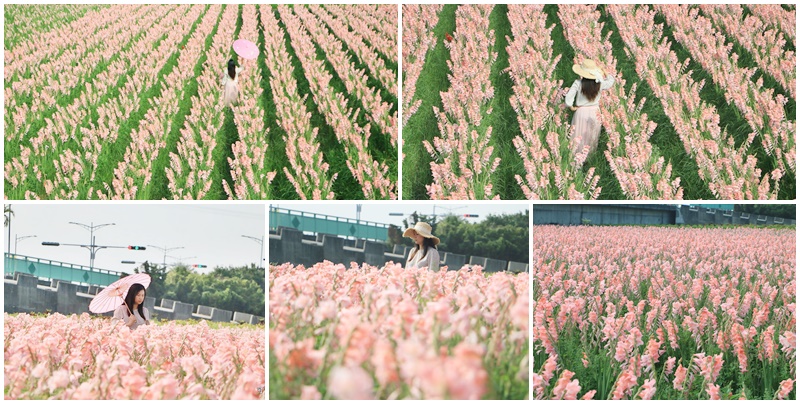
{"type": "Point", "coordinates": [17, 239]}
{"type": "Point", "coordinates": [260, 242]}
{"type": "Point", "coordinates": [165, 250]}
{"type": "Point", "coordinates": [91, 227]}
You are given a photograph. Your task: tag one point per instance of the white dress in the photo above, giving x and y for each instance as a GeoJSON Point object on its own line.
{"type": "Point", "coordinates": [230, 87]}
{"type": "Point", "coordinates": [430, 261]}
{"type": "Point", "coordinates": [121, 313]}
{"type": "Point", "coordinates": [585, 125]}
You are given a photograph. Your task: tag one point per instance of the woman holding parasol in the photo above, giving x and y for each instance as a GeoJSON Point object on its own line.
{"type": "Point", "coordinates": [132, 310]}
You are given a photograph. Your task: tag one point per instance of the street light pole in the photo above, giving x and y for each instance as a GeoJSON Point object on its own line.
{"type": "Point", "coordinates": [165, 250]}
{"type": "Point", "coordinates": [17, 239]}
{"type": "Point", "coordinates": [260, 242]}
{"type": "Point", "coordinates": [91, 247]}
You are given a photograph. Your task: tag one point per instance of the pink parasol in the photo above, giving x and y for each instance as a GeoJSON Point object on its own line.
{"type": "Point", "coordinates": [114, 294]}
{"type": "Point", "coordinates": [245, 49]}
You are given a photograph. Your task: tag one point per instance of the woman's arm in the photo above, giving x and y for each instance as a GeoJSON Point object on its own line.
{"type": "Point", "coordinates": [146, 316]}
{"type": "Point", "coordinates": [607, 82]}
{"type": "Point", "coordinates": [569, 99]}
{"type": "Point", "coordinates": [432, 260]}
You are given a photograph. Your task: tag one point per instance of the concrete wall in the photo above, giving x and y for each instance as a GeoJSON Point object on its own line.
{"type": "Point", "coordinates": [289, 245]}
{"type": "Point", "coordinates": [703, 215]}
{"type": "Point", "coordinates": [27, 294]}
{"type": "Point", "coordinates": [604, 214]}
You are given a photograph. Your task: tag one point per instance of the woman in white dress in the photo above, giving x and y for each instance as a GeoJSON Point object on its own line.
{"type": "Point", "coordinates": [425, 254]}
{"type": "Point", "coordinates": [584, 98]}
{"type": "Point", "coordinates": [230, 83]}
{"type": "Point", "coordinates": [132, 312]}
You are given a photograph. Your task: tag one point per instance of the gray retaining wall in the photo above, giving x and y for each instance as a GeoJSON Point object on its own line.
{"type": "Point", "coordinates": [27, 294]}
{"type": "Point", "coordinates": [288, 245]}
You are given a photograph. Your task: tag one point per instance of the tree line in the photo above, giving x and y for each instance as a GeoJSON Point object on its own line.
{"type": "Point", "coordinates": [504, 237]}
{"type": "Point", "coordinates": [239, 289]}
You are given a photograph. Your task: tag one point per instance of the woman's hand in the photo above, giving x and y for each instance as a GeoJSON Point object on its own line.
{"type": "Point", "coordinates": [573, 108]}
{"type": "Point", "coordinates": [131, 320]}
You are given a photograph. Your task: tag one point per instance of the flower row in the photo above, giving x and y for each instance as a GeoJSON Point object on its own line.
{"type": "Point", "coordinates": [764, 43]}
{"type": "Point", "coordinates": [309, 172]}
{"type": "Point", "coordinates": [639, 168]}
{"type": "Point", "coordinates": [462, 158]}
{"type": "Point", "coordinates": [189, 172]}
{"type": "Point", "coordinates": [377, 110]}
{"type": "Point", "coordinates": [133, 175]}
{"type": "Point", "coordinates": [248, 171]}
{"type": "Point", "coordinates": [729, 172]}
{"type": "Point", "coordinates": [381, 34]}
{"type": "Point", "coordinates": [762, 110]}
{"type": "Point", "coordinates": [552, 170]}
{"type": "Point", "coordinates": [418, 39]}
{"type": "Point", "coordinates": [64, 154]}
{"type": "Point", "coordinates": [40, 76]}
{"type": "Point", "coordinates": [371, 174]}
{"type": "Point", "coordinates": [355, 42]}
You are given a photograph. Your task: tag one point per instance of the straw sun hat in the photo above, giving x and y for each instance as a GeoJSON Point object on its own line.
{"type": "Point", "coordinates": [423, 229]}
{"type": "Point", "coordinates": [588, 69]}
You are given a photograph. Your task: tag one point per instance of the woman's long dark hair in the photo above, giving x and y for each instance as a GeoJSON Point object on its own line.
{"type": "Point", "coordinates": [232, 69]}
{"type": "Point", "coordinates": [130, 299]}
{"type": "Point", "coordinates": [426, 243]}
{"type": "Point", "coordinates": [589, 88]}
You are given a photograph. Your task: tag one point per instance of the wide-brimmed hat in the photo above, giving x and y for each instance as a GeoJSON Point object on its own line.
{"type": "Point", "coordinates": [588, 69]}
{"type": "Point", "coordinates": [424, 230]}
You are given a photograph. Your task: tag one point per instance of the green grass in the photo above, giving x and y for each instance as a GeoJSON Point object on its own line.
{"type": "Point", "coordinates": [503, 120]}
{"type": "Point", "coordinates": [423, 124]}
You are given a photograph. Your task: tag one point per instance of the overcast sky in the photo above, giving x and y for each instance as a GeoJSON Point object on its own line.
{"type": "Point", "coordinates": [210, 233]}
{"type": "Point", "coordinates": [379, 211]}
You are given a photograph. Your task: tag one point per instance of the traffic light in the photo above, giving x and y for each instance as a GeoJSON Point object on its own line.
{"type": "Point", "coordinates": [199, 266]}
{"type": "Point", "coordinates": [470, 215]}
{"type": "Point", "coordinates": [52, 243]}
{"type": "Point", "coordinates": [136, 247]}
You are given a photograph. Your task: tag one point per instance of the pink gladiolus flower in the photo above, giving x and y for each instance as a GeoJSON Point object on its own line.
{"type": "Point", "coordinates": [350, 383]}
{"type": "Point", "coordinates": [785, 388]}
{"type": "Point", "coordinates": [310, 393]}
{"type": "Point", "coordinates": [648, 390]}
{"type": "Point", "coordinates": [713, 391]}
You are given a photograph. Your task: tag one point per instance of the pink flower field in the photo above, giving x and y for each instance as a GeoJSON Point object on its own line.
{"type": "Point", "coordinates": [664, 313]}
{"type": "Point", "coordinates": [703, 105]}
{"type": "Point", "coordinates": [365, 332]}
{"type": "Point", "coordinates": [79, 357]}
{"type": "Point", "coordinates": [125, 102]}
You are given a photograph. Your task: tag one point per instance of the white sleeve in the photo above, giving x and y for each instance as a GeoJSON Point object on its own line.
{"type": "Point", "coordinates": [572, 93]}
{"type": "Point", "coordinates": [433, 260]}
{"type": "Point", "coordinates": [607, 82]}
{"type": "Point", "coordinates": [119, 313]}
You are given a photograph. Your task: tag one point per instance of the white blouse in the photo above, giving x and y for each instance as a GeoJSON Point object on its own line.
{"type": "Point", "coordinates": [430, 261]}
{"type": "Point", "coordinates": [225, 78]}
{"type": "Point", "coordinates": [121, 313]}
{"type": "Point", "coordinates": [582, 101]}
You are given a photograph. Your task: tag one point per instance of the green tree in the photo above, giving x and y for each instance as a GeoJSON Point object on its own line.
{"type": "Point", "coordinates": [229, 288]}
{"type": "Point", "coordinates": [784, 211]}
